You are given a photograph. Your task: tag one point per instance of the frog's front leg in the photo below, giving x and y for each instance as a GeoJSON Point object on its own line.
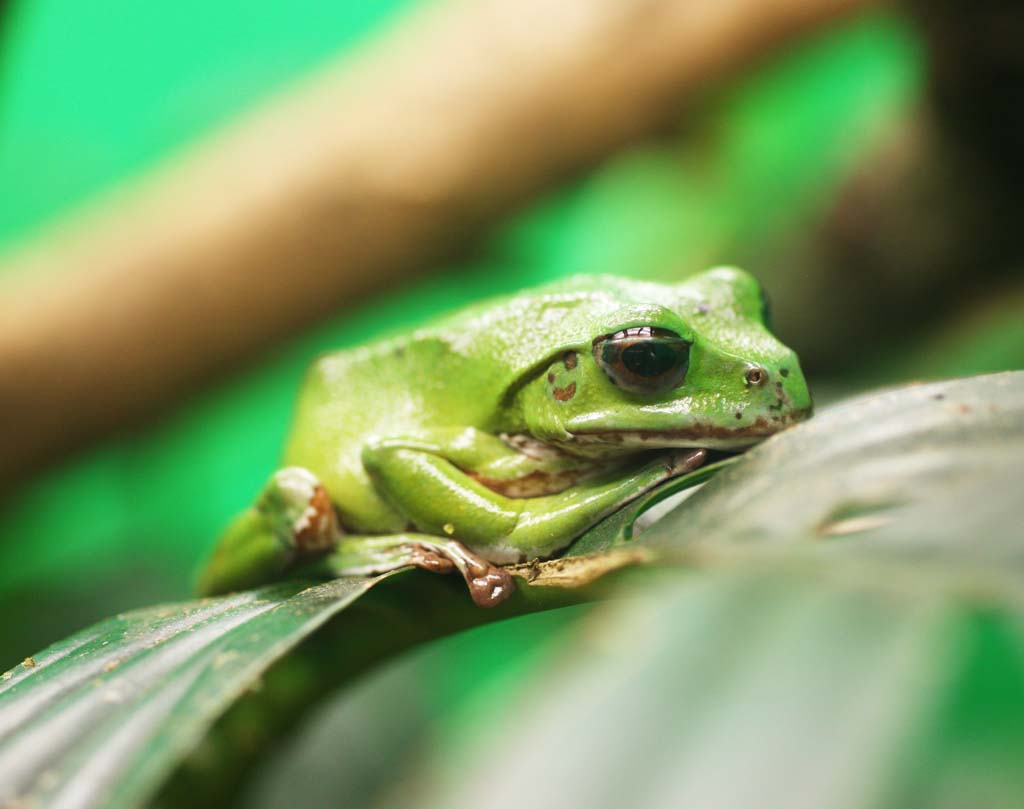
{"type": "Point", "coordinates": [292, 521]}
{"type": "Point", "coordinates": [442, 493]}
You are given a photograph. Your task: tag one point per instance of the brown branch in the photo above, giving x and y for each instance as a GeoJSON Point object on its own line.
{"type": "Point", "coordinates": [366, 172]}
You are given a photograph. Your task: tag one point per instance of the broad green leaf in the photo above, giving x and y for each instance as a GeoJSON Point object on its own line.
{"type": "Point", "coordinates": [102, 718]}
{"type": "Point", "coordinates": [620, 527]}
{"type": "Point", "coordinates": [761, 687]}
{"type": "Point", "coordinates": [99, 719]}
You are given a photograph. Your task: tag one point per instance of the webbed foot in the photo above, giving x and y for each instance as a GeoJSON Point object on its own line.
{"type": "Point", "coordinates": [488, 584]}
{"type": "Point", "coordinates": [292, 522]}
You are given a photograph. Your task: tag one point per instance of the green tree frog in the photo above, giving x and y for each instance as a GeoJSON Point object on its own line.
{"type": "Point", "coordinates": [503, 432]}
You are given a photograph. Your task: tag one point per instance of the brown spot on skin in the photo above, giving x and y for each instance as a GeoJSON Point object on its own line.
{"type": "Point", "coordinates": [964, 409]}
{"type": "Point", "coordinates": [739, 415]}
{"type": "Point", "coordinates": [551, 376]}
{"type": "Point", "coordinates": [318, 531]}
{"type": "Point", "coordinates": [565, 394]}
{"type": "Point", "coordinates": [938, 397]}
{"type": "Point", "coordinates": [784, 372]}
{"type": "Point", "coordinates": [569, 360]}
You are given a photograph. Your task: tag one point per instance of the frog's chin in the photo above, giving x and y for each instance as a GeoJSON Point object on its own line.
{"type": "Point", "coordinates": [704, 435]}
{"type": "Point", "coordinates": [632, 440]}
{"type": "Point", "coordinates": [697, 435]}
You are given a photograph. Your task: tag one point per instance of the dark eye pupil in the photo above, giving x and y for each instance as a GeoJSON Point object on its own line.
{"type": "Point", "coordinates": [649, 359]}
{"type": "Point", "coordinates": [643, 359]}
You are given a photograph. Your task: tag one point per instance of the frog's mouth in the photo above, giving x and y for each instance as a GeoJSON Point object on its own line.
{"type": "Point", "coordinates": [698, 435]}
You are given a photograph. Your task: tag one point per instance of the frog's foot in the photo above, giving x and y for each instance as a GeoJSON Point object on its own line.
{"type": "Point", "coordinates": [488, 584]}
{"type": "Point", "coordinates": [292, 522]}
{"type": "Point", "coordinates": [685, 461]}
{"type": "Point", "coordinates": [430, 560]}
{"type": "Point", "coordinates": [300, 509]}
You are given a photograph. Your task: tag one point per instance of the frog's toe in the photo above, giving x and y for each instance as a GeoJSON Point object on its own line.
{"type": "Point", "coordinates": [680, 463]}
{"type": "Point", "coordinates": [492, 588]}
{"type": "Point", "coordinates": [430, 560]}
{"type": "Point", "coordinates": [316, 531]}
{"type": "Point", "coordinates": [488, 584]}
{"type": "Point", "coordinates": [301, 511]}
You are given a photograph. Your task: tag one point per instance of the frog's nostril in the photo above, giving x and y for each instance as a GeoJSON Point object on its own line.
{"type": "Point", "coordinates": [756, 377]}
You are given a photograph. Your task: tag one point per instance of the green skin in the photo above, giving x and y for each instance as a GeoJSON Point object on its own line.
{"type": "Point", "coordinates": [495, 436]}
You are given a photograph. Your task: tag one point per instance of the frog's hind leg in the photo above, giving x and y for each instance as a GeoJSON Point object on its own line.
{"type": "Point", "coordinates": [359, 555]}
{"type": "Point", "coordinates": [292, 522]}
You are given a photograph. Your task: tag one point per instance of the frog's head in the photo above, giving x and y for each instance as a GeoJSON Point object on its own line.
{"type": "Point", "coordinates": [691, 365]}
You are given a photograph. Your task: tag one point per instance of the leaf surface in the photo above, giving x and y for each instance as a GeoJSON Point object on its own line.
{"type": "Point", "coordinates": [100, 718]}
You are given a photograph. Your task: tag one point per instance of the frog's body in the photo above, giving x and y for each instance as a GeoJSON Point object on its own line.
{"type": "Point", "coordinates": [516, 424]}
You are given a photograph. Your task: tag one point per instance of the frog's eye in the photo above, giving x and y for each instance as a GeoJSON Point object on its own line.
{"type": "Point", "coordinates": [643, 359]}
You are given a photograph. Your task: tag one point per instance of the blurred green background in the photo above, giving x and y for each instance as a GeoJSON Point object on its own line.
{"type": "Point", "coordinates": [91, 94]}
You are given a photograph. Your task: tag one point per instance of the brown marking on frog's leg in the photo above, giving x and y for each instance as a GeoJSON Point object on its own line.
{"type": "Point", "coordinates": [316, 531]}
{"type": "Point", "coordinates": [536, 484]}
{"type": "Point", "coordinates": [569, 360]}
